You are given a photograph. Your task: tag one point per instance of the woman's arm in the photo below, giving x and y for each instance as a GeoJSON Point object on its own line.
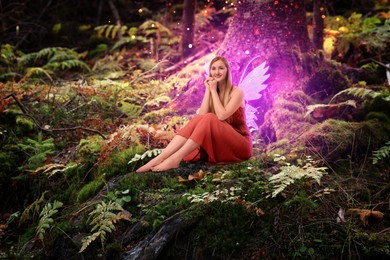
{"type": "Point", "coordinates": [236, 100]}
{"type": "Point", "coordinates": [205, 106]}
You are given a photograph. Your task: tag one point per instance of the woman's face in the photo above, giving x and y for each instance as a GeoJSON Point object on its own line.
{"type": "Point", "coordinates": [218, 71]}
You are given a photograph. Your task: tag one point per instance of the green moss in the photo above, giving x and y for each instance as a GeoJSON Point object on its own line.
{"type": "Point", "coordinates": [89, 148]}
{"type": "Point", "coordinates": [331, 139]}
{"type": "Point", "coordinates": [24, 125]}
{"type": "Point", "coordinates": [289, 105]}
{"type": "Point", "coordinates": [118, 161]}
{"type": "Point", "coordinates": [90, 189]}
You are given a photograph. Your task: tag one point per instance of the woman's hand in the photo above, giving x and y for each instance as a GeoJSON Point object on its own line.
{"type": "Point", "coordinates": [207, 83]}
{"type": "Point", "coordinates": [212, 83]}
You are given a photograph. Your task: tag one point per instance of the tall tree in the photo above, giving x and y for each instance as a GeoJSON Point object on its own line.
{"type": "Point", "coordinates": [188, 27]}
{"type": "Point", "coordinates": [318, 24]}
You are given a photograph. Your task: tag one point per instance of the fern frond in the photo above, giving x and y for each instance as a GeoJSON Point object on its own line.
{"type": "Point", "coordinates": [362, 93]}
{"type": "Point", "coordinates": [46, 220]}
{"type": "Point", "coordinates": [289, 174]}
{"type": "Point", "coordinates": [102, 218]}
{"type": "Point", "coordinates": [150, 153]}
{"type": "Point", "coordinates": [38, 71]}
{"type": "Point", "coordinates": [33, 207]}
{"type": "Point", "coordinates": [382, 153]}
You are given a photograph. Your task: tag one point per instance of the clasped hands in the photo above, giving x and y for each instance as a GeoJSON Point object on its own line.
{"type": "Point", "coordinates": [210, 83]}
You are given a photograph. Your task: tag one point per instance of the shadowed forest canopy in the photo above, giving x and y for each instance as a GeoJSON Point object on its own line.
{"type": "Point", "coordinates": [92, 90]}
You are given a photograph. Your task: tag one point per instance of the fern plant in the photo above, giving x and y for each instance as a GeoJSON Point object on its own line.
{"type": "Point", "coordinates": [150, 153]}
{"type": "Point", "coordinates": [362, 93]}
{"type": "Point", "coordinates": [32, 208]}
{"type": "Point", "coordinates": [52, 59]}
{"type": "Point", "coordinates": [289, 174]}
{"type": "Point", "coordinates": [382, 153]}
{"type": "Point", "coordinates": [46, 218]}
{"type": "Point", "coordinates": [37, 150]}
{"type": "Point", "coordinates": [102, 219]}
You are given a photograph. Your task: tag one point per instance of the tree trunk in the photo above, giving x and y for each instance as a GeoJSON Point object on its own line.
{"type": "Point", "coordinates": [266, 28]}
{"type": "Point", "coordinates": [188, 27]}
{"type": "Point", "coordinates": [318, 24]}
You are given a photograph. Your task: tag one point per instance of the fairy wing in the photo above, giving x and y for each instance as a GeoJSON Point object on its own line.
{"type": "Point", "coordinates": [252, 85]}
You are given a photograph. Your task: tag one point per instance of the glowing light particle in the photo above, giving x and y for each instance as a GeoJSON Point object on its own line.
{"type": "Point", "coordinates": [246, 52]}
{"type": "Point", "coordinates": [140, 10]}
{"type": "Point", "coordinates": [190, 45]}
{"type": "Point", "coordinates": [188, 28]}
{"type": "Point", "coordinates": [323, 16]}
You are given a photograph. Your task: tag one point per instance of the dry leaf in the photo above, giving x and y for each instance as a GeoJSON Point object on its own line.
{"type": "Point", "coordinates": [365, 215]}
{"type": "Point", "coordinates": [192, 177]}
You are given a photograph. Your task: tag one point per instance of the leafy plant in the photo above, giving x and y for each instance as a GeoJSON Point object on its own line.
{"type": "Point", "coordinates": [37, 150]}
{"type": "Point", "coordinates": [289, 174]}
{"type": "Point", "coordinates": [103, 218]}
{"type": "Point", "coordinates": [50, 60]}
{"type": "Point", "coordinates": [46, 219]}
{"type": "Point", "coordinates": [362, 93]}
{"type": "Point", "coordinates": [382, 153]}
{"type": "Point", "coordinates": [33, 207]}
{"type": "Point", "coordinates": [150, 153]}
{"type": "Point", "coordinates": [120, 197]}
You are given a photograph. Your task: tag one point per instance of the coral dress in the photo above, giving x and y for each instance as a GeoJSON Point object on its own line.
{"type": "Point", "coordinates": [220, 142]}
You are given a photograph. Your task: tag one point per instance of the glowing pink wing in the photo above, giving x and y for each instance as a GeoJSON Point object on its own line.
{"type": "Point", "coordinates": [252, 85]}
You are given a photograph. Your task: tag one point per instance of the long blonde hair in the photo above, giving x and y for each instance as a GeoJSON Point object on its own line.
{"type": "Point", "coordinates": [228, 86]}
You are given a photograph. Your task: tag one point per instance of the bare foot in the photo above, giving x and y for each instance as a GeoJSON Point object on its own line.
{"type": "Point", "coordinates": [167, 164]}
{"type": "Point", "coordinates": [149, 165]}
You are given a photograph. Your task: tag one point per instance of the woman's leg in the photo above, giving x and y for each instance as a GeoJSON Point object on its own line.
{"type": "Point", "coordinates": [176, 143]}
{"type": "Point", "coordinates": [174, 159]}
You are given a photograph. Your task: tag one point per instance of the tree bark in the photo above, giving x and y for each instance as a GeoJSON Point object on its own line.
{"type": "Point", "coordinates": [266, 28]}
{"type": "Point", "coordinates": [188, 27]}
{"type": "Point", "coordinates": [318, 24]}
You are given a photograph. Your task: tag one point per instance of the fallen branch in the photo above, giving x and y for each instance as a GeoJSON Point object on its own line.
{"type": "Point", "coordinates": [45, 129]}
{"type": "Point", "coordinates": [152, 246]}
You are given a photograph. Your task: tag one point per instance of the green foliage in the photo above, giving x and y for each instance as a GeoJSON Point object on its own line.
{"type": "Point", "coordinates": [382, 153]}
{"type": "Point", "coordinates": [120, 197]}
{"type": "Point", "coordinates": [359, 30]}
{"type": "Point", "coordinates": [147, 154]}
{"type": "Point", "coordinates": [102, 220]}
{"type": "Point", "coordinates": [290, 174]}
{"type": "Point", "coordinates": [46, 219]}
{"type": "Point", "coordinates": [361, 93]}
{"type": "Point", "coordinates": [37, 151]}
{"type": "Point", "coordinates": [32, 208]}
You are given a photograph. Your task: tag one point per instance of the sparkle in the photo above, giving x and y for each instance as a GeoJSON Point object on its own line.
{"type": "Point", "coordinates": [140, 10]}
{"type": "Point", "coordinates": [190, 45]}
{"type": "Point", "coordinates": [246, 52]}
